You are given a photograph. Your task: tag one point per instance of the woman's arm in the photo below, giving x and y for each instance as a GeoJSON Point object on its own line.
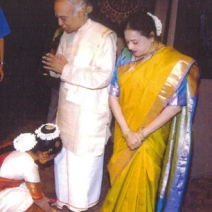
{"type": "Point", "coordinates": [117, 112]}
{"type": "Point", "coordinates": [134, 139]}
{"type": "Point", "coordinates": [175, 105]}
{"type": "Point", "coordinates": [38, 197]}
{"type": "Point", "coordinates": [167, 114]}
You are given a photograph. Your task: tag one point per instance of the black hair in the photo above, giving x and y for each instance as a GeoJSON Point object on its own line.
{"type": "Point", "coordinates": [141, 22]}
{"type": "Point", "coordinates": [52, 146]}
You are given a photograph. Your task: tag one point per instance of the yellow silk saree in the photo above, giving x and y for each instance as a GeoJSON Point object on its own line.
{"type": "Point", "coordinates": [147, 178]}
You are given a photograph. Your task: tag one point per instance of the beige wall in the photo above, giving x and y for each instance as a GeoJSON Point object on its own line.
{"type": "Point", "coordinates": [202, 149]}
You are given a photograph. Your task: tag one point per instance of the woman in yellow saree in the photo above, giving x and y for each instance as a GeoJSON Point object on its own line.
{"type": "Point", "coordinates": [153, 98]}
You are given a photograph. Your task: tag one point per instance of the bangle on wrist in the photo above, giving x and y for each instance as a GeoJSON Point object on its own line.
{"type": "Point", "coordinates": [126, 133]}
{"type": "Point", "coordinates": [143, 137]}
{"type": "Point", "coordinates": [1, 63]}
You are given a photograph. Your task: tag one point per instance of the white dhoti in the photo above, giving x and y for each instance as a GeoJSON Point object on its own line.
{"type": "Point", "coordinates": [78, 180]}
{"type": "Point", "coordinates": [83, 113]}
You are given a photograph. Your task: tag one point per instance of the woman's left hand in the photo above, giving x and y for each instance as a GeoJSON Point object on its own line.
{"type": "Point", "coordinates": [133, 140]}
{"type": "Point", "coordinates": [54, 63]}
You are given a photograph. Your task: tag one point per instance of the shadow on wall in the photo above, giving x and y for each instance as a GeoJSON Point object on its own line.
{"type": "Point", "coordinates": [202, 149]}
{"type": "Point", "coordinates": [32, 26]}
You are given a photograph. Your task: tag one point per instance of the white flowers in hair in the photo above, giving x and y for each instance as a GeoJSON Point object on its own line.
{"type": "Point", "coordinates": [158, 24]}
{"type": "Point", "coordinates": [24, 142]}
{"type": "Point", "coordinates": [48, 136]}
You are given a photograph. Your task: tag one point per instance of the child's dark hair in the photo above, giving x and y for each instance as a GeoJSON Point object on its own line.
{"type": "Point", "coordinates": [48, 140]}
{"type": "Point", "coordinates": [52, 145]}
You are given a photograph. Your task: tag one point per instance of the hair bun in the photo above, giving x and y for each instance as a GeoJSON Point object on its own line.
{"type": "Point", "coordinates": [47, 132]}
{"type": "Point", "coordinates": [48, 129]}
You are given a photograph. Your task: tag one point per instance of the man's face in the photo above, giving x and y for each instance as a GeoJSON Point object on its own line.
{"type": "Point", "coordinates": [69, 21]}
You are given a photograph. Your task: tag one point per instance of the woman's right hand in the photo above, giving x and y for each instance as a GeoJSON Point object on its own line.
{"type": "Point", "coordinates": [44, 204]}
{"type": "Point", "coordinates": [54, 210]}
{"type": "Point", "coordinates": [133, 140]}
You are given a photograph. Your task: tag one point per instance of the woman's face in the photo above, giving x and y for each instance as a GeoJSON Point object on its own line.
{"type": "Point", "coordinates": [137, 43]}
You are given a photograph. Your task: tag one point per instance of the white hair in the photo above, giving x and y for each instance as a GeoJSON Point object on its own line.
{"type": "Point", "coordinates": [77, 5]}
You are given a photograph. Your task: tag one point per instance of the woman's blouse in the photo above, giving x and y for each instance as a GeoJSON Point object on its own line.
{"type": "Point", "coordinates": [20, 165]}
{"type": "Point", "coordinates": [178, 99]}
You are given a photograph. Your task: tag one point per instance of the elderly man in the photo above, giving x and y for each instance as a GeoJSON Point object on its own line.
{"type": "Point", "coordinates": [85, 60]}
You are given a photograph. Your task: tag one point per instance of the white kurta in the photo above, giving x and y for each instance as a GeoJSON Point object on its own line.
{"type": "Point", "coordinates": [83, 113]}
{"type": "Point", "coordinates": [18, 166]}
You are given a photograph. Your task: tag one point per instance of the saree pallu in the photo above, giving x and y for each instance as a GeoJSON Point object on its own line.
{"type": "Point", "coordinates": [145, 88]}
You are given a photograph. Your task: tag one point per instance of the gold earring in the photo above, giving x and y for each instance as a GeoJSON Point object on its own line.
{"type": "Point", "coordinates": [42, 160]}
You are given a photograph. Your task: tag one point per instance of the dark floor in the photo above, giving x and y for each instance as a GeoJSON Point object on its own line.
{"type": "Point", "coordinates": [198, 197]}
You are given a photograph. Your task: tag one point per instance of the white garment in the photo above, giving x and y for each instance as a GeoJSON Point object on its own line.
{"type": "Point", "coordinates": [83, 110]}
{"type": "Point", "coordinates": [83, 113]}
{"type": "Point", "coordinates": [80, 186]}
{"type": "Point", "coordinates": [18, 166]}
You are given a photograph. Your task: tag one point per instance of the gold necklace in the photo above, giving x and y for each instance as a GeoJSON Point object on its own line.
{"type": "Point", "coordinates": [151, 52]}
